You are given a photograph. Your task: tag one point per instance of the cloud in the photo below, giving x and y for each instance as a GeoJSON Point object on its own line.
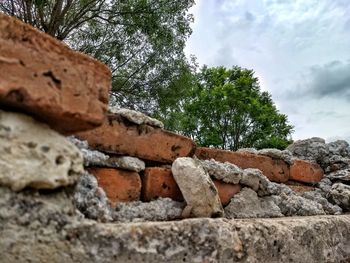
{"type": "Point", "coordinates": [332, 79]}
{"type": "Point", "coordinates": [297, 48]}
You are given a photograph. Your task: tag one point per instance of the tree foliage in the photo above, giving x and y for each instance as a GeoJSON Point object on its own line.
{"type": "Point", "coordinates": [141, 40]}
{"type": "Point", "coordinates": [225, 108]}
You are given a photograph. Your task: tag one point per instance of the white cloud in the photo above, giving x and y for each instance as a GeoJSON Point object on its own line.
{"type": "Point", "coordinates": [290, 44]}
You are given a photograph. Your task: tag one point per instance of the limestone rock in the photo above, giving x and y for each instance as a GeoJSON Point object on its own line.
{"type": "Point", "coordinates": [247, 204]}
{"type": "Point", "coordinates": [294, 205]}
{"type": "Point", "coordinates": [197, 189]}
{"type": "Point", "coordinates": [284, 155]}
{"type": "Point", "coordinates": [162, 209]}
{"type": "Point", "coordinates": [318, 197]}
{"type": "Point", "coordinates": [325, 185]}
{"type": "Point", "coordinates": [31, 154]}
{"type": "Point", "coordinates": [340, 175]}
{"type": "Point", "coordinates": [42, 76]}
{"type": "Point", "coordinates": [126, 163]}
{"type": "Point", "coordinates": [81, 144]}
{"type": "Point", "coordinates": [227, 172]}
{"type": "Point", "coordinates": [91, 200]}
{"type": "Point", "coordinates": [136, 117]}
{"type": "Point", "coordinates": [251, 177]}
{"type": "Point", "coordinates": [340, 194]}
{"type": "Point", "coordinates": [94, 158]}
{"type": "Point", "coordinates": [313, 149]}
{"type": "Point", "coordinates": [254, 179]}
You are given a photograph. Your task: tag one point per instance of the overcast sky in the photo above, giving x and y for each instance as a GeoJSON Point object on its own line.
{"type": "Point", "coordinates": [299, 49]}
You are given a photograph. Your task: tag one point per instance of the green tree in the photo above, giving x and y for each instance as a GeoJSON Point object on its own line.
{"type": "Point", "coordinates": [225, 108]}
{"type": "Point", "coordinates": [142, 41]}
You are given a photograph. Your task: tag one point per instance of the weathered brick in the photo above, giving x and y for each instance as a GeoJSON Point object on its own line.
{"type": "Point", "coordinates": [159, 182]}
{"type": "Point", "coordinates": [275, 170]}
{"type": "Point", "coordinates": [119, 185]}
{"type": "Point", "coordinates": [119, 136]}
{"type": "Point", "coordinates": [226, 191]}
{"type": "Point", "coordinates": [41, 76]}
{"type": "Point", "coordinates": [306, 172]}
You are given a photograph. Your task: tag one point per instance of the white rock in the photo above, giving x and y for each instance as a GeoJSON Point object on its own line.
{"type": "Point", "coordinates": [137, 117]}
{"type": "Point", "coordinates": [197, 188]}
{"type": "Point", "coordinates": [227, 172]}
{"type": "Point", "coordinates": [127, 163]}
{"type": "Point", "coordinates": [32, 154]}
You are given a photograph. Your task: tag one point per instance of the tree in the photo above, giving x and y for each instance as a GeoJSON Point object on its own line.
{"type": "Point", "coordinates": [58, 18]}
{"type": "Point", "coordinates": [225, 108]}
{"type": "Point", "coordinates": [141, 41]}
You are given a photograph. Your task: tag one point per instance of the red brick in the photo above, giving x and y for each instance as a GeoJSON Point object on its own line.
{"type": "Point", "coordinates": [306, 172]}
{"type": "Point", "coordinates": [41, 76]}
{"type": "Point", "coordinates": [119, 185]}
{"type": "Point", "coordinates": [226, 191]}
{"type": "Point", "coordinates": [119, 136]}
{"type": "Point", "coordinates": [159, 182]}
{"type": "Point", "coordinates": [275, 170]}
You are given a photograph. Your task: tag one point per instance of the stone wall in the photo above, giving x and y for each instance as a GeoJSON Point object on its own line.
{"type": "Point", "coordinates": [84, 198]}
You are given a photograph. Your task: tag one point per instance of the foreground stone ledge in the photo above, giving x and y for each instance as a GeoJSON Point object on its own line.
{"type": "Point", "coordinates": [275, 170]}
{"type": "Point", "coordinates": [48, 230]}
{"type": "Point", "coordinates": [42, 76]}
{"type": "Point", "coordinates": [119, 136]}
{"type": "Point", "coordinates": [119, 185]}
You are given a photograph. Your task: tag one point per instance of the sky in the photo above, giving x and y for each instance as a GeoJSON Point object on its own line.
{"type": "Point", "coordinates": [299, 50]}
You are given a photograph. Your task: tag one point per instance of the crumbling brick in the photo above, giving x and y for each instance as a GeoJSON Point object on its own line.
{"type": "Point", "coordinates": [226, 191]}
{"type": "Point", "coordinates": [159, 182]}
{"type": "Point", "coordinates": [119, 136]}
{"type": "Point", "coordinates": [119, 185]}
{"type": "Point", "coordinates": [306, 172]}
{"type": "Point", "coordinates": [42, 76]}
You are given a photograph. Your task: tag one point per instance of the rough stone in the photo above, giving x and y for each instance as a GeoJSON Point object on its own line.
{"type": "Point", "coordinates": [325, 185]}
{"type": "Point", "coordinates": [340, 175]}
{"type": "Point", "coordinates": [91, 200]}
{"type": "Point", "coordinates": [226, 191]}
{"type": "Point", "coordinates": [306, 172]}
{"type": "Point", "coordinates": [162, 209]}
{"type": "Point", "coordinates": [49, 230]}
{"type": "Point", "coordinates": [299, 188]}
{"type": "Point", "coordinates": [247, 204]}
{"type": "Point", "coordinates": [94, 158]}
{"type": "Point", "coordinates": [317, 196]}
{"type": "Point", "coordinates": [275, 170]}
{"type": "Point", "coordinates": [136, 117]}
{"type": "Point", "coordinates": [227, 172]}
{"type": "Point", "coordinates": [294, 205]}
{"type": "Point", "coordinates": [81, 144]}
{"type": "Point", "coordinates": [313, 149]}
{"type": "Point", "coordinates": [198, 190]}
{"type": "Point", "coordinates": [340, 194]}
{"type": "Point", "coordinates": [33, 155]}
{"type": "Point", "coordinates": [159, 182]}
{"type": "Point", "coordinates": [41, 76]}
{"type": "Point", "coordinates": [251, 177]}
{"type": "Point", "coordinates": [284, 155]}
{"type": "Point", "coordinates": [339, 147]}
{"type": "Point", "coordinates": [254, 179]}
{"type": "Point", "coordinates": [119, 185]}
{"type": "Point", "coordinates": [118, 137]}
